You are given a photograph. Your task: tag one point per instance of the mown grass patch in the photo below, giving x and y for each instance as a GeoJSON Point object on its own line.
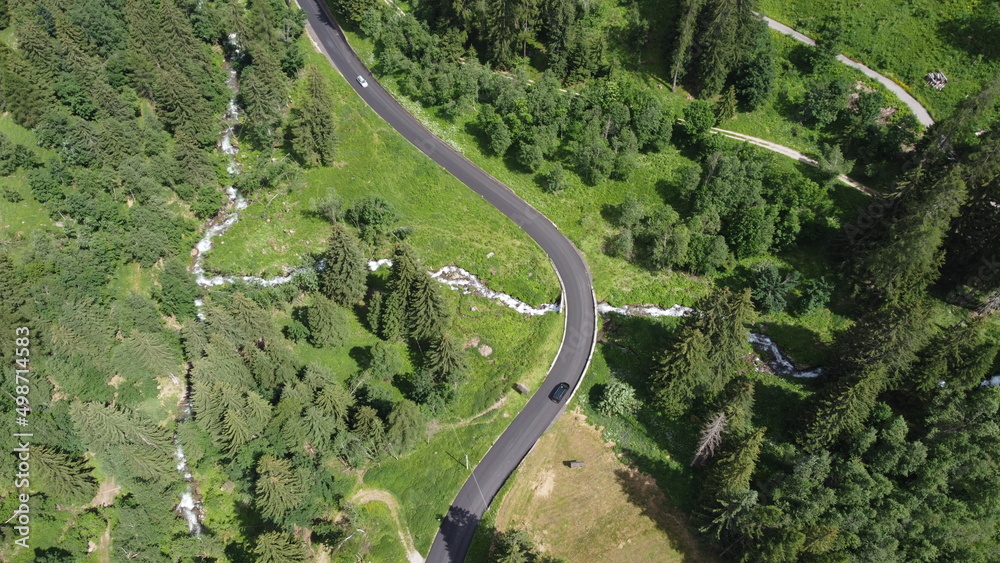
{"type": "Point", "coordinates": [20, 218]}
{"type": "Point", "coordinates": [580, 213]}
{"type": "Point", "coordinates": [620, 511]}
{"type": "Point", "coordinates": [452, 225]}
{"type": "Point", "coordinates": [133, 278]}
{"type": "Point", "coordinates": [905, 41]}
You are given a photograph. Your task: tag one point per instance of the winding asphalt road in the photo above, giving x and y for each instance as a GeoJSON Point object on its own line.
{"type": "Point", "coordinates": [923, 116]}
{"type": "Point", "coordinates": [577, 302]}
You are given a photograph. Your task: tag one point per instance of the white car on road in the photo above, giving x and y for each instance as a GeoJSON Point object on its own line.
{"type": "Point", "coordinates": [362, 81]}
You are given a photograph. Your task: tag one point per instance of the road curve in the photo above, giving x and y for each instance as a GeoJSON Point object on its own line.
{"type": "Point", "coordinates": [923, 116]}
{"type": "Point", "coordinates": [577, 302]}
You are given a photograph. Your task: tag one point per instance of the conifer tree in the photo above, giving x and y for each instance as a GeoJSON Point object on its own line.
{"type": "Point", "coordinates": [845, 409]}
{"type": "Point", "coordinates": [245, 420]}
{"type": "Point", "coordinates": [708, 354]}
{"type": "Point", "coordinates": [328, 322]}
{"type": "Point", "coordinates": [278, 490]}
{"type": "Point", "coordinates": [725, 108]}
{"type": "Point", "coordinates": [756, 76]}
{"type": "Point", "coordinates": [682, 369]}
{"type": "Point", "coordinates": [427, 315]}
{"type": "Point", "coordinates": [92, 419]}
{"type": "Point", "coordinates": [278, 547]}
{"type": "Point", "coordinates": [739, 405]}
{"type": "Point", "coordinates": [720, 42]}
{"type": "Point", "coordinates": [898, 259]}
{"type": "Point", "coordinates": [730, 501]}
{"type": "Point", "coordinates": [393, 324]}
{"type": "Point", "coordinates": [687, 25]}
{"type": "Point", "coordinates": [446, 360]}
{"type": "Point", "coordinates": [320, 427]}
{"type": "Point", "coordinates": [61, 476]}
{"type": "Point", "coordinates": [313, 130]}
{"type": "Point", "coordinates": [344, 279]}
{"type": "Point", "coordinates": [732, 472]}
{"type": "Point", "coordinates": [374, 312]}
{"type": "Point", "coordinates": [406, 426]}
{"type": "Point", "coordinates": [335, 400]}
{"type": "Point", "coordinates": [959, 359]}
{"type": "Point", "coordinates": [262, 94]}
{"type": "Point", "coordinates": [370, 429]}
{"type": "Point", "coordinates": [406, 273]}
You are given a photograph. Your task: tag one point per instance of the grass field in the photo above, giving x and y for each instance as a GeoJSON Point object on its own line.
{"type": "Point", "coordinates": [906, 40]}
{"type": "Point", "coordinates": [452, 224]}
{"type": "Point", "coordinates": [622, 512]}
{"type": "Point", "coordinates": [582, 211]}
{"type": "Point", "coordinates": [18, 219]}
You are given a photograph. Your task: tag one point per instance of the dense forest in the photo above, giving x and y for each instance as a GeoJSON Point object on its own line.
{"type": "Point", "coordinates": [118, 110]}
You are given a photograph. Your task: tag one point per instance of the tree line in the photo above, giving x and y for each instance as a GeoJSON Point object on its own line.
{"type": "Point", "coordinates": [116, 114]}
{"type": "Point", "coordinates": [888, 458]}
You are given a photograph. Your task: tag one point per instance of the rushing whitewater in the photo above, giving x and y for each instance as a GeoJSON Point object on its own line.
{"type": "Point", "coordinates": [459, 279]}
{"type": "Point", "coordinates": [645, 310]}
{"type": "Point", "coordinates": [779, 364]}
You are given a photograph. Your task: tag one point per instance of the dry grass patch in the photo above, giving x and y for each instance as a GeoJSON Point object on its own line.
{"type": "Point", "coordinates": [604, 511]}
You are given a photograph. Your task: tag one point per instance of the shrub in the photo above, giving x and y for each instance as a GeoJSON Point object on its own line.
{"type": "Point", "coordinates": [554, 180]}
{"type": "Point", "coordinates": [12, 195]}
{"type": "Point", "coordinates": [618, 399]}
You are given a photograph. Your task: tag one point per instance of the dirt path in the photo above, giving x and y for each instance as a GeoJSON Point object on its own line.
{"type": "Point", "coordinates": [471, 419]}
{"type": "Point", "coordinates": [923, 116]}
{"type": "Point", "coordinates": [365, 496]}
{"type": "Point", "coordinates": [791, 153]}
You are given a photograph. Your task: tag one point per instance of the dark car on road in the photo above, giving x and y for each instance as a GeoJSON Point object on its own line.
{"type": "Point", "coordinates": [559, 392]}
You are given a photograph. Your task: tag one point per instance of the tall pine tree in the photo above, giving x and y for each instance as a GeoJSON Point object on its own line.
{"type": "Point", "coordinates": [313, 129]}
{"type": "Point", "coordinates": [344, 278]}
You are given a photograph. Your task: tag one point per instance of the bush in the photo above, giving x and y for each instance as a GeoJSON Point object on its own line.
{"type": "Point", "coordinates": [554, 180]}
{"type": "Point", "coordinates": [372, 215]}
{"type": "Point", "coordinates": [618, 399]}
{"type": "Point", "coordinates": [815, 295]}
{"type": "Point", "coordinates": [386, 361]}
{"type": "Point", "coordinates": [12, 195]}
{"type": "Point", "coordinates": [699, 118]}
{"type": "Point", "coordinates": [770, 288]}
{"type": "Point", "coordinates": [530, 156]}
{"type": "Point", "coordinates": [622, 244]}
